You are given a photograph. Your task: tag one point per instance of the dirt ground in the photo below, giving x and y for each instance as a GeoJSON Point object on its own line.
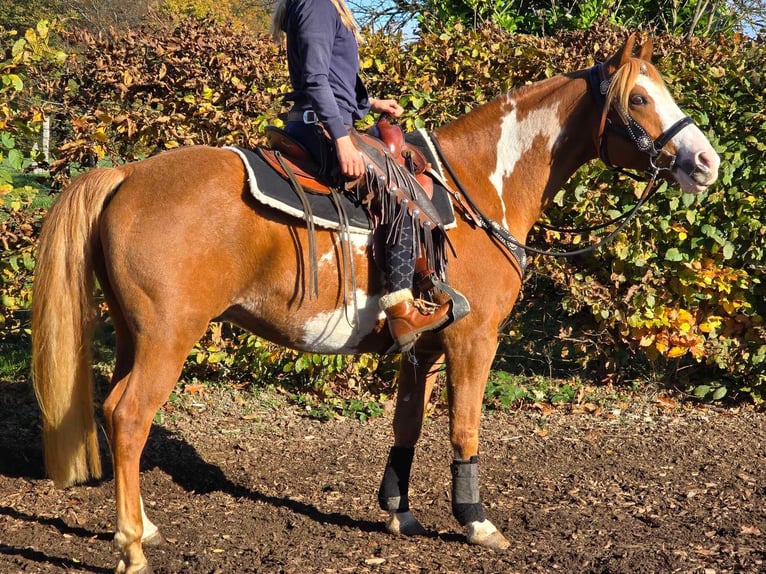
{"type": "Point", "coordinates": [238, 483]}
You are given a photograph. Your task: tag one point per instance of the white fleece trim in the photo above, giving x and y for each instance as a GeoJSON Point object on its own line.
{"type": "Point", "coordinates": [390, 299]}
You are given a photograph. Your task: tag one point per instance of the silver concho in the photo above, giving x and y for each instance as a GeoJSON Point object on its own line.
{"type": "Point", "coordinates": [644, 143]}
{"type": "Point", "coordinates": [603, 87]}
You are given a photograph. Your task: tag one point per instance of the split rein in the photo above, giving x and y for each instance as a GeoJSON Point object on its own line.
{"type": "Point", "coordinates": [659, 160]}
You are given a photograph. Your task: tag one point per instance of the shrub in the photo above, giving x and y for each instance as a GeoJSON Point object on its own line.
{"type": "Point", "coordinates": [678, 293]}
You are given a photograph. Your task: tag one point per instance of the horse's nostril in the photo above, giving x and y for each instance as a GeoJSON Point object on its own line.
{"type": "Point", "coordinates": [705, 161]}
{"type": "Point", "coordinates": [705, 168]}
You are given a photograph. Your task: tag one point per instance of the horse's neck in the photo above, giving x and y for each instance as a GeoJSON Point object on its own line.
{"type": "Point", "coordinates": [514, 153]}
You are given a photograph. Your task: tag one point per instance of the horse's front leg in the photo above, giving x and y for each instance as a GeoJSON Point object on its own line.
{"type": "Point", "coordinates": [417, 375]}
{"type": "Point", "coordinates": [468, 367]}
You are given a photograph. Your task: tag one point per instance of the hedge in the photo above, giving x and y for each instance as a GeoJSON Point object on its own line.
{"type": "Point", "coordinates": [677, 294]}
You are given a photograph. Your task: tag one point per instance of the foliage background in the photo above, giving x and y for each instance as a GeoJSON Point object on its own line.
{"type": "Point", "coordinates": [677, 297]}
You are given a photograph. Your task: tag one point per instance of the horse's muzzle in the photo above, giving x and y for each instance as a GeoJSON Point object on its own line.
{"type": "Point", "coordinates": [702, 170]}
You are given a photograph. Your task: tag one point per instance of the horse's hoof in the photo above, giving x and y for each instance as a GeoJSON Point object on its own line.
{"type": "Point", "coordinates": [485, 534]}
{"type": "Point", "coordinates": [404, 523]}
{"type": "Point", "coordinates": [122, 569]}
{"type": "Point", "coordinates": [153, 539]}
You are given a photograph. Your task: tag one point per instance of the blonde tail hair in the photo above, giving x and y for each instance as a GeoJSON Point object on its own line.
{"type": "Point", "coordinates": [280, 11]}
{"type": "Point", "coordinates": [63, 309]}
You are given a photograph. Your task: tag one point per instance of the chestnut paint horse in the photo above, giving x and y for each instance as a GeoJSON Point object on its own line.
{"type": "Point", "coordinates": [177, 240]}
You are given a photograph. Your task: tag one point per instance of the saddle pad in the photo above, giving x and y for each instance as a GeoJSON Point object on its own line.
{"type": "Point", "coordinates": [421, 140]}
{"type": "Point", "coordinates": [272, 190]}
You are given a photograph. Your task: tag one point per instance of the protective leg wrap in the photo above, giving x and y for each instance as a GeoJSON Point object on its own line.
{"type": "Point", "coordinates": [466, 503]}
{"type": "Point", "coordinates": [393, 494]}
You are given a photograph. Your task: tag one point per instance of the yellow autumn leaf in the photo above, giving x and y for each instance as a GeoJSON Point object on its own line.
{"type": "Point", "coordinates": [712, 323]}
{"type": "Point", "coordinates": [676, 352]}
{"type": "Point", "coordinates": [100, 136]}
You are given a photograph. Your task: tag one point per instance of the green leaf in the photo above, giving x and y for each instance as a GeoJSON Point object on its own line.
{"type": "Point", "coordinates": [302, 363]}
{"type": "Point", "coordinates": [7, 141]}
{"type": "Point", "coordinates": [673, 254]}
{"type": "Point", "coordinates": [15, 159]}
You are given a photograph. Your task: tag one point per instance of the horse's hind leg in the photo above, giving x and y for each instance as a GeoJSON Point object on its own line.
{"type": "Point", "coordinates": [124, 356]}
{"type": "Point", "coordinates": [416, 382]}
{"type": "Point", "coordinates": [155, 370]}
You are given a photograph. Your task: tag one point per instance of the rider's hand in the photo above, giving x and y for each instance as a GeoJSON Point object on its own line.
{"type": "Point", "coordinates": [390, 107]}
{"type": "Point", "coordinates": [349, 157]}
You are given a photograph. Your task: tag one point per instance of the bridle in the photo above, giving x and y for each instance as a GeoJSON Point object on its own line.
{"type": "Point", "coordinates": [659, 160]}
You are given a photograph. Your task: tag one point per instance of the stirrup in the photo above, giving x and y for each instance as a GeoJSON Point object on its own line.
{"type": "Point", "coordinates": [459, 306]}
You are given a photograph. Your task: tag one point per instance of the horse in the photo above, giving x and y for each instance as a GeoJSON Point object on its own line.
{"type": "Point", "coordinates": [176, 241]}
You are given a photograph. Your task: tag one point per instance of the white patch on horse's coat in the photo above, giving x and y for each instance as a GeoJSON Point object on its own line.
{"type": "Point", "coordinates": [358, 242]}
{"type": "Point", "coordinates": [150, 530]}
{"type": "Point", "coordinates": [334, 331]}
{"type": "Point", "coordinates": [517, 137]}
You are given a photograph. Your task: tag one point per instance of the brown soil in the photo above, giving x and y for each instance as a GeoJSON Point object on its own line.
{"type": "Point", "coordinates": [243, 484]}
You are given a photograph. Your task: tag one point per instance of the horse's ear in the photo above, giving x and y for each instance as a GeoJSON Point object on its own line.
{"type": "Point", "coordinates": [646, 51]}
{"type": "Point", "coordinates": [623, 54]}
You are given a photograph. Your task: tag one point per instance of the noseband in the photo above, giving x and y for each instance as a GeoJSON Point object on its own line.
{"type": "Point", "coordinates": [659, 158]}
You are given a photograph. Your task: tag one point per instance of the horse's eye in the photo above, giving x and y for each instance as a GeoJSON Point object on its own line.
{"type": "Point", "coordinates": [637, 100]}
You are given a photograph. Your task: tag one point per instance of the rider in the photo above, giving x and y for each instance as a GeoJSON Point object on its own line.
{"type": "Point", "coordinates": [323, 61]}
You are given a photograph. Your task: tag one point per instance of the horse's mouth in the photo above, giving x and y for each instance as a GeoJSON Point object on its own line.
{"type": "Point", "coordinates": [695, 180]}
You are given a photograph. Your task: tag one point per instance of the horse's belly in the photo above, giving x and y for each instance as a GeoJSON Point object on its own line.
{"type": "Point", "coordinates": [356, 328]}
{"type": "Point", "coordinates": [341, 330]}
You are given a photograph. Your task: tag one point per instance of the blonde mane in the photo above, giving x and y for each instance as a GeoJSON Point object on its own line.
{"type": "Point", "coordinates": [623, 81]}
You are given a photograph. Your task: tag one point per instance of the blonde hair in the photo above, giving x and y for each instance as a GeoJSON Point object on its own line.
{"type": "Point", "coordinates": [280, 12]}
{"type": "Point", "coordinates": [623, 81]}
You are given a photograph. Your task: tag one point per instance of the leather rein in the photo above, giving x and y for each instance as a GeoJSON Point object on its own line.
{"type": "Point", "coordinates": [659, 160]}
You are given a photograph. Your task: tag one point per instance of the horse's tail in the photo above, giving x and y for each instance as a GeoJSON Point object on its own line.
{"type": "Point", "coordinates": [63, 310]}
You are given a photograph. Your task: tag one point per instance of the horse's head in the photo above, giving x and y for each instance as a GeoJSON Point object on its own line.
{"type": "Point", "coordinates": [643, 128]}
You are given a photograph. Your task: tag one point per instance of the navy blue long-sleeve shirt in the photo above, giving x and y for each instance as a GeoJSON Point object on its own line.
{"type": "Point", "coordinates": [323, 60]}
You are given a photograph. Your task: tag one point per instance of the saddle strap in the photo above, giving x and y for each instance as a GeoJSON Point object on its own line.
{"type": "Point", "coordinates": [348, 269]}
{"type": "Point", "coordinates": [309, 218]}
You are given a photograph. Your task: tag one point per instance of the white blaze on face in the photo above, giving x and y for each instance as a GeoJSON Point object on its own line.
{"type": "Point", "coordinates": [690, 142]}
{"type": "Point", "coordinates": [335, 331]}
{"type": "Point", "coordinates": [517, 137]}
